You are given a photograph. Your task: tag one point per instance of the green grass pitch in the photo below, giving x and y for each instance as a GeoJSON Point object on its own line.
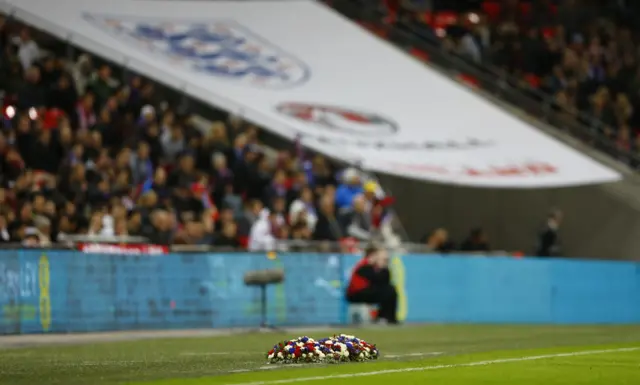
{"type": "Point", "coordinates": [435, 354]}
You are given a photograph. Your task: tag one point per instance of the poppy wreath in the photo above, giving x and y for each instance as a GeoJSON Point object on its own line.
{"type": "Point", "coordinates": [342, 348]}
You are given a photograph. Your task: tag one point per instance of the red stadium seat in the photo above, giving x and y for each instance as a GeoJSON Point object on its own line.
{"type": "Point", "coordinates": [525, 8]}
{"type": "Point", "coordinates": [548, 32]}
{"type": "Point", "coordinates": [427, 17]}
{"type": "Point", "coordinates": [244, 241]}
{"type": "Point", "coordinates": [444, 19]}
{"type": "Point", "coordinates": [468, 80]}
{"type": "Point", "coordinates": [491, 9]}
{"type": "Point", "coordinates": [533, 80]}
{"type": "Point", "coordinates": [419, 54]}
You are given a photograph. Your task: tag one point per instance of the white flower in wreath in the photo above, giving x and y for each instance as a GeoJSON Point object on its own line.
{"type": "Point", "coordinates": [271, 356]}
{"type": "Point", "coordinates": [280, 355]}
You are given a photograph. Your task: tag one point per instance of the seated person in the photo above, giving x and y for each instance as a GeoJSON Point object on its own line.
{"type": "Point", "coordinates": [371, 284]}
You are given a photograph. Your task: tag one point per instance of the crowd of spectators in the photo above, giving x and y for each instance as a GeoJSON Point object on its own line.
{"type": "Point", "coordinates": [83, 152]}
{"type": "Point", "coordinates": [583, 54]}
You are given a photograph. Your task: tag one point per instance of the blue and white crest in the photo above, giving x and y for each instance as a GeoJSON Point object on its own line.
{"type": "Point", "coordinates": [221, 48]}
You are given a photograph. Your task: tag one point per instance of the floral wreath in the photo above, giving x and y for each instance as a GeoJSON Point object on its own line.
{"type": "Point", "coordinates": [342, 348]}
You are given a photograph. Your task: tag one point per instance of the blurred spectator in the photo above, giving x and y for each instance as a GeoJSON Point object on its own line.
{"type": "Point", "coordinates": [141, 165]}
{"type": "Point", "coordinates": [321, 174]}
{"type": "Point", "coordinates": [264, 231]}
{"type": "Point", "coordinates": [87, 152]}
{"type": "Point", "coordinates": [160, 230]}
{"type": "Point", "coordinates": [438, 241]}
{"type": "Point", "coordinates": [102, 85]}
{"type": "Point", "coordinates": [348, 189]}
{"type": "Point", "coordinates": [225, 215]}
{"type": "Point", "coordinates": [278, 187]}
{"type": "Point", "coordinates": [43, 228]}
{"type": "Point", "coordinates": [28, 50]}
{"type": "Point", "coordinates": [327, 227]}
{"type": "Point", "coordinates": [232, 201]}
{"type": "Point", "coordinates": [252, 211]}
{"type": "Point", "coordinates": [134, 223]}
{"type": "Point", "coordinates": [63, 96]}
{"type": "Point", "coordinates": [228, 237]}
{"type": "Point", "coordinates": [477, 241]}
{"type": "Point", "coordinates": [222, 177]}
{"type": "Point", "coordinates": [370, 191]}
{"type": "Point", "coordinates": [32, 93]}
{"type": "Point", "coordinates": [173, 142]}
{"type": "Point", "coordinates": [357, 220]}
{"type": "Point", "coordinates": [303, 210]}
{"type": "Point", "coordinates": [548, 244]}
{"type": "Point", "coordinates": [5, 237]}
{"type": "Point", "coordinates": [195, 233]}
{"type": "Point", "coordinates": [30, 237]}
{"type": "Point", "coordinates": [300, 232]}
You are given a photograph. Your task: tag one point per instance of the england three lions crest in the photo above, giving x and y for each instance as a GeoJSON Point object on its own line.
{"type": "Point", "coordinates": [220, 48]}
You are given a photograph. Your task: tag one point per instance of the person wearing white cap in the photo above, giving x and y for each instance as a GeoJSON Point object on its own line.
{"type": "Point", "coordinates": [350, 187]}
{"type": "Point", "coordinates": [147, 114]}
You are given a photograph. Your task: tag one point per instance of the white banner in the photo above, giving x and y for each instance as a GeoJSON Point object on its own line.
{"type": "Point", "coordinates": [300, 68]}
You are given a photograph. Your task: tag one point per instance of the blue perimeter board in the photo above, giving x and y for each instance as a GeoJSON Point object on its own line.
{"type": "Point", "coordinates": [68, 291]}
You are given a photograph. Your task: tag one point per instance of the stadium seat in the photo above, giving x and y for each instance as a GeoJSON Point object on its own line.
{"type": "Point", "coordinates": [525, 8]}
{"type": "Point", "coordinates": [444, 19]}
{"type": "Point", "coordinates": [419, 54]}
{"type": "Point", "coordinates": [468, 80]}
{"type": "Point", "coordinates": [491, 9]}
{"type": "Point", "coordinates": [532, 80]}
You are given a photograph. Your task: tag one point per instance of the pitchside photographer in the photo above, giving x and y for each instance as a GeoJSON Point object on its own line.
{"type": "Point", "coordinates": [371, 284]}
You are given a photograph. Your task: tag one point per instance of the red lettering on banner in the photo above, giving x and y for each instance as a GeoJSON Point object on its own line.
{"type": "Point", "coordinates": [527, 169]}
{"type": "Point", "coordinates": [542, 168]}
{"type": "Point", "coordinates": [105, 248]}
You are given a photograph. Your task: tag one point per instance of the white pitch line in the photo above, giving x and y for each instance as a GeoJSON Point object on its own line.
{"type": "Point", "coordinates": [412, 355]}
{"type": "Point", "coordinates": [436, 367]}
{"type": "Point", "coordinates": [272, 367]}
{"type": "Point", "coordinates": [214, 353]}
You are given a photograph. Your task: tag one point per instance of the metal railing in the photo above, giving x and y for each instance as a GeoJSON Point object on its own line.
{"type": "Point", "coordinates": [290, 246]}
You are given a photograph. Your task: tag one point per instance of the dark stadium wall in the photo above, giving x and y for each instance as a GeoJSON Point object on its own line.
{"type": "Point", "coordinates": [600, 221]}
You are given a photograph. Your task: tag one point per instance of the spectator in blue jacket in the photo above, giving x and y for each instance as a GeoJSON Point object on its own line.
{"type": "Point", "coordinates": [350, 187]}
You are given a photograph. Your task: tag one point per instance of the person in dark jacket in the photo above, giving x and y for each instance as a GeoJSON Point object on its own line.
{"type": "Point", "coordinates": [43, 154]}
{"type": "Point", "coordinates": [548, 240]}
{"type": "Point", "coordinates": [63, 96]}
{"type": "Point", "coordinates": [228, 237]}
{"type": "Point", "coordinates": [160, 230]}
{"type": "Point", "coordinates": [371, 283]}
{"type": "Point", "coordinates": [327, 227]}
{"type": "Point", "coordinates": [32, 94]}
{"type": "Point", "coordinates": [477, 241]}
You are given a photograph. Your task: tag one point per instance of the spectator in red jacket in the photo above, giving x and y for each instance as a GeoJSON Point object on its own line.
{"type": "Point", "coordinates": [371, 283]}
